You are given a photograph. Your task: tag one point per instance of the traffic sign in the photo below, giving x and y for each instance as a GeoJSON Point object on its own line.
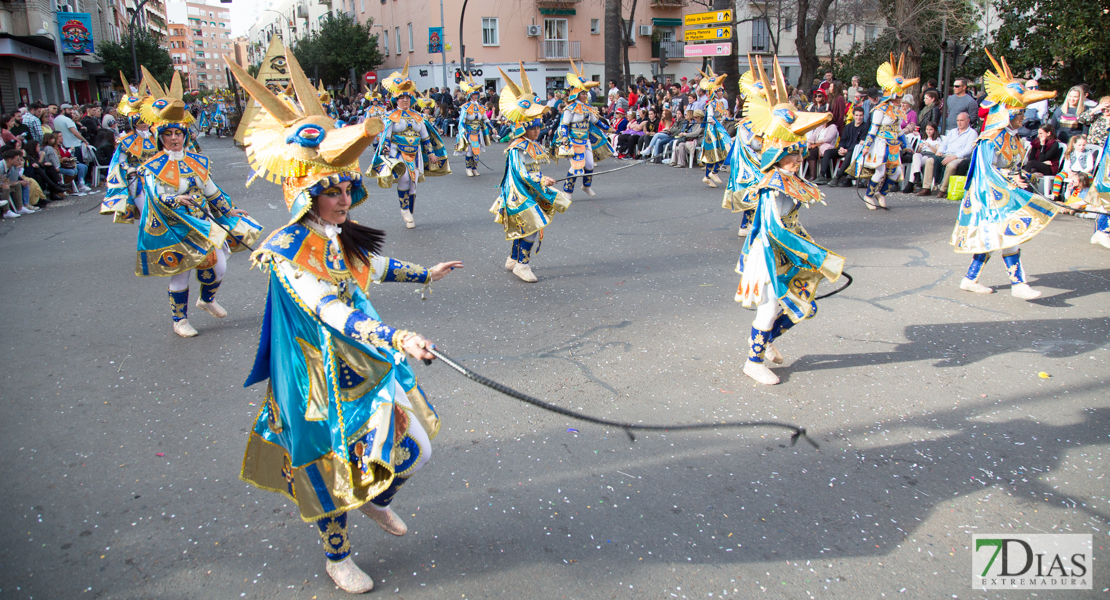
{"type": "Point", "coordinates": [693, 50]}
{"type": "Point", "coordinates": [709, 33]}
{"type": "Point", "coordinates": [707, 18]}
{"type": "Point", "coordinates": [371, 78]}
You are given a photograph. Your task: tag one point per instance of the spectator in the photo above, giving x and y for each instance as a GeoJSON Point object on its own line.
{"type": "Point", "coordinates": [870, 101]}
{"type": "Point", "coordinates": [1097, 120]}
{"type": "Point", "coordinates": [105, 145]}
{"type": "Point", "coordinates": [72, 170]}
{"type": "Point", "coordinates": [1079, 157]}
{"type": "Point", "coordinates": [820, 102]}
{"type": "Point", "coordinates": [826, 83]}
{"type": "Point", "coordinates": [633, 97]}
{"type": "Point", "coordinates": [668, 128]}
{"type": "Point", "coordinates": [683, 86]}
{"type": "Point", "coordinates": [1045, 152]}
{"type": "Point", "coordinates": [108, 121]}
{"type": "Point", "coordinates": [52, 164]}
{"type": "Point", "coordinates": [686, 141]}
{"type": "Point", "coordinates": [90, 122]}
{"type": "Point", "coordinates": [651, 127]}
{"type": "Point", "coordinates": [855, 90]}
{"type": "Point", "coordinates": [32, 121]}
{"type": "Point", "coordinates": [955, 147]}
{"type": "Point", "coordinates": [17, 185]}
{"type": "Point", "coordinates": [34, 168]}
{"type": "Point", "coordinates": [6, 123]}
{"type": "Point", "coordinates": [820, 140]}
{"type": "Point", "coordinates": [613, 94]}
{"type": "Point", "coordinates": [1066, 116]}
{"type": "Point", "coordinates": [854, 133]}
{"type": "Point", "coordinates": [838, 106]}
{"type": "Point", "coordinates": [909, 123]}
{"type": "Point", "coordinates": [929, 145]}
{"type": "Point", "coordinates": [930, 112]}
{"type": "Point", "coordinates": [628, 138]}
{"type": "Point", "coordinates": [960, 102]}
{"type": "Point", "coordinates": [1040, 106]}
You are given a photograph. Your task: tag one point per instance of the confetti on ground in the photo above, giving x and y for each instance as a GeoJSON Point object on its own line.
{"type": "Point", "coordinates": [1043, 375]}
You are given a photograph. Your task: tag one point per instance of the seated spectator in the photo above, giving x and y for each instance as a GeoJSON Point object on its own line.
{"type": "Point", "coordinates": [1097, 121]}
{"type": "Point", "coordinates": [820, 102]}
{"type": "Point", "coordinates": [105, 144]}
{"type": "Point", "coordinates": [1066, 116]}
{"type": "Point", "coordinates": [687, 141]}
{"type": "Point", "coordinates": [854, 133]}
{"type": "Point", "coordinates": [661, 140]}
{"type": "Point", "coordinates": [1045, 152]}
{"type": "Point", "coordinates": [7, 122]}
{"type": "Point", "coordinates": [51, 164]}
{"type": "Point", "coordinates": [820, 140]}
{"type": "Point", "coordinates": [928, 144]}
{"type": "Point", "coordinates": [955, 148]}
{"type": "Point", "coordinates": [35, 169]}
{"type": "Point", "coordinates": [628, 140]}
{"type": "Point", "coordinates": [1079, 157]}
{"type": "Point", "coordinates": [18, 186]}
{"type": "Point", "coordinates": [909, 123]}
{"type": "Point", "coordinates": [72, 170]}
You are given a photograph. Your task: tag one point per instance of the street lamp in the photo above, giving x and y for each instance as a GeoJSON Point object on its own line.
{"type": "Point", "coordinates": [56, 36]}
{"type": "Point", "coordinates": [134, 57]}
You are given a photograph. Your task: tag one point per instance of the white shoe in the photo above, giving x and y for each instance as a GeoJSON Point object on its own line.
{"type": "Point", "coordinates": [708, 181]}
{"type": "Point", "coordinates": [79, 192]}
{"type": "Point", "coordinates": [476, 173]}
{"type": "Point", "coordinates": [743, 232]}
{"type": "Point", "coordinates": [386, 519]}
{"type": "Point", "coordinates": [974, 286]}
{"type": "Point", "coordinates": [26, 210]}
{"type": "Point", "coordinates": [212, 308]}
{"type": "Point", "coordinates": [184, 329]}
{"type": "Point", "coordinates": [470, 172]}
{"type": "Point", "coordinates": [524, 272]}
{"type": "Point", "coordinates": [4, 203]}
{"type": "Point", "coordinates": [510, 263]}
{"type": "Point", "coordinates": [589, 191]}
{"type": "Point", "coordinates": [760, 373]}
{"type": "Point", "coordinates": [1101, 238]}
{"type": "Point", "coordinates": [714, 177]}
{"type": "Point", "coordinates": [84, 188]}
{"type": "Point", "coordinates": [407, 216]}
{"type": "Point", "coordinates": [1023, 291]}
{"type": "Point", "coordinates": [346, 574]}
{"type": "Point", "coordinates": [11, 215]}
{"type": "Point", "coordinates": [774, 355]}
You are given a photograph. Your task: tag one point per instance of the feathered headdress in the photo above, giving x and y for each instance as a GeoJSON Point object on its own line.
{"type": "Point", "coordinates": [426, 101]}
{"type": "Point", "coordinates": [132, 100]}
{"type": "Point", "coordinates": [298, 145]}
{"type": "Point", "coordinates": [398, 83]}
{"type": "Point", "coordinates": [890, 77]}
{"type": "Point", "coordinates": [519, 103]}
{"type": "Point", "coordinates": [167, 109]}
{"type": "Point", "coordinates": [322, 93]}
{"type": "Point", "coordinates": [576, 81]}
{"type": "Point", "coordinates": [1006, 95]}
{"type": "Point", "coordinates": [468, 86]}
{"type": "Point", "coordinates": [782, 126]}
{"type": "Point", "coordinates": [711, 81]}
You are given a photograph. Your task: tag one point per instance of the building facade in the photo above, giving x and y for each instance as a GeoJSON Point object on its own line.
{"type": "Point", "coordinates": [180, 46]}
{"type": "Point", "coordinates": [207, 39]}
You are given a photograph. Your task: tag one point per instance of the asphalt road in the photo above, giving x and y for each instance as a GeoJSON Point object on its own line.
{"type": "Point", "coordinates": [940, 413]}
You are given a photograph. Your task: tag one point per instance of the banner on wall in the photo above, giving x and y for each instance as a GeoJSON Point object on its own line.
{"type": "Point", "coordinates": [76, 32]}
{"type": "Point", "coordinates": [435, 40]}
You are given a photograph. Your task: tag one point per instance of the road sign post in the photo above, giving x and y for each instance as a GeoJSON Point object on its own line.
{"type": "Point", "coordinates": [708, 34]}
{"type": "Point", "coordinates": [707, 18]}
{"type": "Point", "coordinates": [702, 50]}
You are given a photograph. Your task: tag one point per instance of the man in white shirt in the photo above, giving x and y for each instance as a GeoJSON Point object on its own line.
{"type": "Point", "coordinates": [955, 148]}
{"type": "Point", "coordinates": [108, 121]}
{"type": "Point", "coordinates": [71, 137]}
{"type": "Point", "coordinates": [613, 93]}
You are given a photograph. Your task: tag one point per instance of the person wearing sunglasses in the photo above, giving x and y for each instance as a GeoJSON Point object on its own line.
{"type": "Point", "coordinates": [960, 101]}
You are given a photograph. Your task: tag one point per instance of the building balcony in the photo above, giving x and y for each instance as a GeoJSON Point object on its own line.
{"type": "Point", "coordinates": [560, 50]}
{"type": "Point", "coordinates": [669, 3]}
{"type": "Point", "coordinates": [557, 2]}
{"type": "Point", "coordinates": [674, 49]}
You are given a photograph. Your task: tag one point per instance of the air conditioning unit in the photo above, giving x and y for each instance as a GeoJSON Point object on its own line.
{"type": "Point", "coordinates": [645, 30]}
{"type": "Point", "coordinates": [65, 8]}
{"type": "Point", "coordinates": [534, 31]}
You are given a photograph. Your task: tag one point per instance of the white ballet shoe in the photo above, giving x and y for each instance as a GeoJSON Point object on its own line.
{"type": "Point", "coordinates": [774, 355]}
{"type": "Point", "coordinates": [407, 217]}
{"type": "Point", "coordinates": [974, 286]}
{"type": "Point", "coordinates": [760, 373]}
{"type": "Point", "coordinates": [510, 263]}
{"type": "Point", "coordinates": [524, 272]}
{"type": "Point", "coordinates": [184, 329]}
{"type": "Point", "coordinates": [1101, 238]}
{"type": "Point", "coordinates": [882, 201]}
{"type": "Point", "coordinates": [589, 191]}
{"type": "Point", "coordinates": [386, 519]}
{"type": "Point", "coordinates": [743, 232]}
{"type": "Point", "coordinates": [714, 177]}
{"type": "Point", "coordinates": [708, 181]}
{"type": "Point", "coordinates": [212, 308]}
{"type": "Point", "coordinates": [346, 574]}
{"type": "Point", "coordinates": [470, 172]}
{"type": "Point", "coordinates": [476, 173]}
{"type": "Point", "coordinates": [1023, 291]}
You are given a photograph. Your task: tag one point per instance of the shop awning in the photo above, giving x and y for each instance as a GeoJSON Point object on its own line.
{"type": "Point", "coordinates": [666, 22]}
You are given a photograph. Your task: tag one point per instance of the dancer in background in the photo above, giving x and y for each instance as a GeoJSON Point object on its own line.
{"type": "Point", "coordinates": [581, 133]}
{"type": "Point", "coordinates": [473, 135]}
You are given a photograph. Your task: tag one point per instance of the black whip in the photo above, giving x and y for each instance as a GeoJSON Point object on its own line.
{"type": "Point", "coordinates": [863, 197]}
{"type": "Point", "coordinates": [1082, 210]}
{"type": "Point", "coordinates": [799, 432]}
{"type": "Point", "coordinates": [208, 213]}
{"type": "Point", "coordinates": [839, 289]}
{"type": "Point", "coordinates": [635, 164]}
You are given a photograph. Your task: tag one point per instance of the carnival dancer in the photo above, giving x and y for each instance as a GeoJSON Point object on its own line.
{"type": "Point", "coordinates": [743, 158]}
{"type": "Point", "coordinates": [879, 157]}
{"type": "Point", "coordinates": [581, 133]}
{"type": "Point", "coordinates": [123, 194]}
{"type": "Point", "coordinates": [998, 212]}
{"type": "Point", "coordinates": [527, 201]}
{"type": "Point", "coordinates": [408, 149]}
{"type": "Point", "coordinates": [781, 266]}
{"type": "Point", "coordinates": [344, 423]}
{"type": "Point", "coordinates": [473, 135]}
{"type": "Point", "coordinates": [716, 142]}
{"type": "Point", "coordinates": [187, 221]}
{"type": "Point", "coordinates": [1098, 197]}
{"type": "Point", "coordinates": [376, 109]}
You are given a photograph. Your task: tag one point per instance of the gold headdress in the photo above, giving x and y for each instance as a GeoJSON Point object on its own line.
{"type": "Point", "coordinates": [711, 81]}
{"type": "Point", "coordinates": [398, 83]}
{"type": "Point", "coordinates": [371, 94]}
{"type": "Point", "coordinates": [167, 109]}
{"type": "Point", "coordinates": [518, 102]}
{"type": "Point", "coordinates": [299, 146]}
{"type": "Point", "coordinates": [468, 86]}
{"type": "Point", "coordinates": [323, 94]}
{"type": "Point", "coordinates": [131, 102]}
{"type": "Point", "coordinates": [782, 126]}
{"type": "Point", "coordinates": [1006, 95]}
{"type": "Point", "coordinates": [426, 101]}
{"type": "Point", "coordinates": [576, 81]}
{"type": "Point", "coordinates": [890, 77]}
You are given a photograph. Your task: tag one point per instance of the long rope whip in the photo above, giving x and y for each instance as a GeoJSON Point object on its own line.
{"type": "Point", "coordinates": [628, 428]}
{"type": "Point", "coordinates": [208, 213]}
{"type": "Point", "coordinates": [1082, 210]}
{"type": "Point", "coordinates": [635, 164]}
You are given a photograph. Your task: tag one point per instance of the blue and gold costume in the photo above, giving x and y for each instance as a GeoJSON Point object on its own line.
{"type": "Point", "coordinates": [123, 195]}
{"type": "Point", "coordinates": [408, 148]}
{"type": "Point", "coordinates": [879, 156]}
{"type": "Point", "coordinates": [1098, 197]}
{"type": "Point", "coordinates": [525, 205]}
{"type": "Point", "coordinates": [743, 157]}
{"type": "Point", "coordinates": [344, 423]}
{"type": "Point", "coordinates": [716, 142]}
{"type": "Point", "coordinates": [178, 236]}
{"type": "Point", "coordinates": [474, 127]}
{"type": "Point", "coordinates": [781, 266]}
{"type": "Point", "coordinates": [581, 134]}
{"type": "Point", "coordinates": [998, 212]}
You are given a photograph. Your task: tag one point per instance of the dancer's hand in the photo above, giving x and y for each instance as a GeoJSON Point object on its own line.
{"type": "Point", "coordinates": [185, 200]}
{"type": "Point", "coordinates": [442, 269]}
{"type": "Point", "coordinates": [546, 181]}
{"type": "Point", "coordinates": [416, 346]}
{"type": "Point", "coordinates": [237, 212]}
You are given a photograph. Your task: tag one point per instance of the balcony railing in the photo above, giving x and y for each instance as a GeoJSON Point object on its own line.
{"type": "Point", "coordinates": [669, 3]}
{"type": "Point", "coordinates": [560, 50]}
{"type": "Point", "coordinates": [674, 49]}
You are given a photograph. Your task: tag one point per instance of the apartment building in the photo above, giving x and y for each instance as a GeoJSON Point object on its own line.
{"type": "Point", "coordinates": [180, 46]}
{"type": "Point", "coordinates": [208, 39]}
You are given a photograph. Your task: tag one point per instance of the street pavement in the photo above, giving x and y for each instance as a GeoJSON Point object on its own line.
{"type": "Point", "coordinates": [939, 413]}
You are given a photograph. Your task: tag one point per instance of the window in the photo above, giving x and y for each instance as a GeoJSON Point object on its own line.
{"type": "Point", "coordinates": [361, 5]}
{"type": "Point", "coordinates": [850, 29]}
{"type": "Point", "coordinates": [412, 47]}
{"type": "Point", "coordinates": [761, 35]}
{"type": "Point", "coordinates": [385, 41]}
{"type": "Point", "coordinates": [555, 40]}
{"type": "Point", "coordinates": [788, 25]}
{"type": "Point", "coordinates": [631, 32]}
{"type": "Point", "coordinates": [595, 26]}
{"type": "Point", "coordinates": [830, 32]}
{"type": "Point", "coordinates": [397, 35]}
{"type": "Point", "coordinates": [870, 33]}
{"type": "Point", "coordinates": [489, 31]}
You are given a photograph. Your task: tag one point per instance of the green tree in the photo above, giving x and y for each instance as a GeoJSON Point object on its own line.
{"type": "Point", "coordinates": [253, 70]}
{"type": "Point", "coordinates": [1069, 42]}
{"type": "Point", "coordinates": [340, 44]}
{"type": "Point", "coordinates": [116, 57]}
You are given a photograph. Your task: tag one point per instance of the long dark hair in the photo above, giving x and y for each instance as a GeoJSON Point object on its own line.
{"type": "Point", "coordinates": [360, 241]}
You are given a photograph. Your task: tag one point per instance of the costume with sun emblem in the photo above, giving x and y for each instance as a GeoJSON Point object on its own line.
{"type": "Point", "coordinates": [474, 126]}
{"type": "Point", "coordinates": [743, 157]}
{"type": "Point", "coordinates": [879, 156]}
{"type": "Point", "coordinates": [344, 423]}
{"type": "Point", "coordinates": [781, 266]}
{"type": "Point", "coordinates": [581, 134]}
{"type": "Point", "coordinates": [998, 212]}
{"type": "Point", "coordinates": [186, 218]}
{"type": "Point", "coordinates": [716, 142]}
{"type": "Point", "coordinates": [408, 148]}
{"type": "Point", "coordinates": [123, 193]}
{"type": "Point", "coordinates": [525, 205]}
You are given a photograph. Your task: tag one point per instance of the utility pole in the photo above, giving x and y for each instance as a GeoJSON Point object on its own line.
{"type": "Point", "coordinates": [56, 34]}
{"type": "Point", "coordinates": [443, 45]}
{"type": "Point", "coordinates": [462, 47]}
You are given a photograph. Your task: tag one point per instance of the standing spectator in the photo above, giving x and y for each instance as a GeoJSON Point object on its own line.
{"type": "Point", "coordinates": [955, 147]}
{"type": "Point", "coordinates": [853, 134]}
{"type": "Point", "coordinates": [855, 90]}
{"type": "Point", "coordinates": [959, 102]}
{"type": "Point", "coordinates": [1097, 120]}
{"type": "Point", "coordinates": [838, 106]}
{"type": "Point", "coordinates": [683, 86]}
{"type": "Point", "coordinates": [870, 101]}
{"type": "Point", "coordinates": [826, 83]}
{"type": "Point", "coordinates": [1045, 152]}
{"type": "Point", "coordinates": [90, 122]}
{"type": "Point", "coordinates": [32, 121]}
{"type": "Point", "coordinates": [6, 123]}
{"type": "Point", "coordinates": [72, 140]}
{"type": "Point", "coordinates": [612, 94]}
{"type": "Point", "coordinates": [108, 121]}
{"type": "Point", "coordinates": [930, 112]}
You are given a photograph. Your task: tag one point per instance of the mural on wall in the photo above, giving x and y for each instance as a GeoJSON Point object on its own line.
{"type": "Point", "coordinates": [76, 32]}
